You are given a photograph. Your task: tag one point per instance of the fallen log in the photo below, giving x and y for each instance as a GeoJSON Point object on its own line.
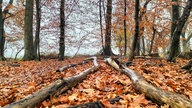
{"type": "Point", "coordinates": [53, 89]}
{"type": "Point", "coordinates": [97, 104]}
{"type": "Point", "coordinates": [187, 66]}
{"type": "Point", "coordinates": [72, 65]}
{"type": "Point", "coordinates": [157, 95]}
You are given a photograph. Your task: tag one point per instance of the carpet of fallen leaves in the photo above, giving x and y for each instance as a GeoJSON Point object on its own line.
{"type": "Point", "coordinates": [16, 82]}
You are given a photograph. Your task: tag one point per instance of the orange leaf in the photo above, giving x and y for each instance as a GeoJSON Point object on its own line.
{"type": "Point", "coordinates": [139, 100]}
{"type": "Point", "coordinates": [63, 99]}
{"type": "Point", "coordinates": [46, 103]}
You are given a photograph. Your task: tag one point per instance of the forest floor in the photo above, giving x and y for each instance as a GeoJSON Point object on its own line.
{"type": "Point", "coordinates": [18, 81]}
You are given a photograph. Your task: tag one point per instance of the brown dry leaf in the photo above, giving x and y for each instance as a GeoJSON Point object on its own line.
{"type": "Point", "coordinates": [63, 99]}
{"type": "Point", "coordinates": [46, 103]}
{"type": "Point", "coordinates": [54, 100]}
{"type": "Point", "coordinates": [73, 97]}
{"type": "Point", "coordinates": [129, 97]}
{"type": "Point", "coordinates": [107, 104]}
{"type": "Point", "coordinates": [103, 84]}
{"type": "Point", "coordinates": [124, 102]}
{"type": "Point", "coordinates": [89, 91]}
{"type": "Point", "coordinates": [98, 84]}
{"type": "Point", "coordinates": [61, 106]}
{"type": "Point", "coordinates": [139, 100]}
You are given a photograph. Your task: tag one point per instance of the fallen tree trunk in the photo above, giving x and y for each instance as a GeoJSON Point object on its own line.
{"type": "Point", "coordinates": [97, 104]}
{"type": "Point", "coordinates": [187, 66]}
{"type": "Point", "coordinates": [157, 95]}
{"type": "Point", "coordinates": [72, 65]}
{"type": "Point", "coordinates": [53, 89]}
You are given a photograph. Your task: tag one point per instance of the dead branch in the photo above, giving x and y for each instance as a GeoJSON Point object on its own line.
{"type": "Point", "coordinates": [72, 65]}
{"type": "Point", "coordinates": [187, 66]}
{"type": "Point", "coordinates": [97, 104]}
{"type": "Point", "coordinates": [53, 89]}
{"type": "Point", "coordinates": [155, 94]}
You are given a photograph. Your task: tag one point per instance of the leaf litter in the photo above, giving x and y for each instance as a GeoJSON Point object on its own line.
{"type": "Point", "coordinates": [104, 84]}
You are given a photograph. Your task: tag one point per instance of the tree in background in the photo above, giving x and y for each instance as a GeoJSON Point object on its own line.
{"type": "Point", "coordinates": [176, 30]}
{"type": "Point", "coordinates": [3, 15]}
{"type": "Point", "coordinates": [28, 31]}
{"type": "Point", "coordinates": [101, 23]}
{"type": "Point", "coordinates": [123, 22]}
{"type": "Point", "coordinates": [186, 35]}
{"type": "Point", "coordinates": [37, 33]}
{"type": "Point", "coordinates": [125, 29]}
{"type": "Point", "coordinates": [136, 36]}
{"type": "Point", "coordinates": [62, 31]}
{"type": "Point", "coordinates": [1, 32]}
{"type": "Point", "coordinates": [107, 49]}
{"type": "Point", "coordinates": [143, 11]}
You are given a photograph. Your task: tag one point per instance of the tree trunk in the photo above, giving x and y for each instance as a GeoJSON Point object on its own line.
{"type": "Point", "coordinates": [101, 24]}
{"type": "Point", "coordinates": [1, 33]}
{"type": "Point", "coordinates": [141, 31]}
{"type": "Point", "coordinates": [38, 22]}
{"type": "Point", "coordinates": [107, 50]}
{"type": "Point", "coordinates": [175, 16]}
{"type": "Point", "coordinates": [152, 41]}
{"type": "Point", "coordinates": [18, 52]}
{"type": "Point", "coordinates": [125, 29]}
{"type": "Point", "coordinates": [157, 95]}
{"type": "Point", "coordinates": [28, 31]}
{"type": "Point", "coordinates": [136, 36]}
{"type": "Point", "coordinates": [62, 31]}
{"type": "Point", "coordinates": [53, 89]}
{"type": "Point", "coordinates": [3, 16]}
{"type": "Point", "coordinates": [137, 50]}
{"type": "Point", "coordinates": [175, 38]}
{"type": "Point", "coordinates": [185, 42]}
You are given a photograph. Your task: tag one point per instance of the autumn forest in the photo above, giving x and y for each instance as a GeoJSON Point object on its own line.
{"type": "Point", "coordinates": [96, 54]}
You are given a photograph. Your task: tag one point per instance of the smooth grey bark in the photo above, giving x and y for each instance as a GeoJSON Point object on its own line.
{"type": "Point", "coordinates": [136, 36]}
{"type": "Point", "coordinates": [28, 31]}
{"type": "Point", "coordinates": [125, 29]}
{"type": "Point", "coordinates": [107, 49]}
{"type": "Point", "coordinates": [175, 37]}
{"type": "Point", "coordinates": [62, 31]}
{"type": "Point", "coordinates": [37, 33]}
